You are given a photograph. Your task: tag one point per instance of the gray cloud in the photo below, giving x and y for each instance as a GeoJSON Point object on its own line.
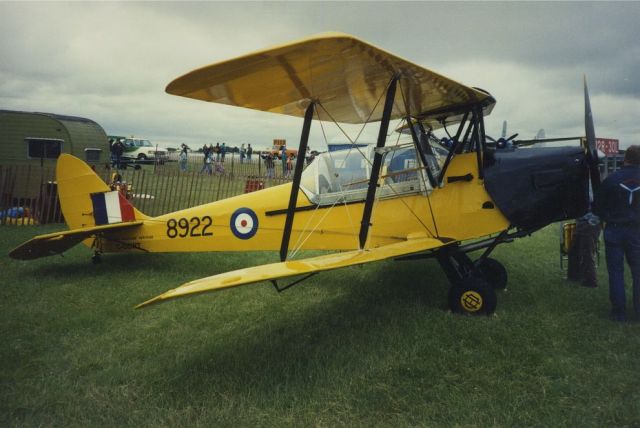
{"type": "Point", "coordinates": [112, 61]}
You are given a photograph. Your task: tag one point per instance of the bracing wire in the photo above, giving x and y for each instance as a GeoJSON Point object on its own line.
{"type": "Point", "coordinates": [353, 145]}
{"type": "Point", "coordinates": [341, 197]}
{"type": "Point", "coordinates": [404, 100]}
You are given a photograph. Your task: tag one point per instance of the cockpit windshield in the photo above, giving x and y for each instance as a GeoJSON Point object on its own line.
{"type": "Point", "coordinates": [343, 176]}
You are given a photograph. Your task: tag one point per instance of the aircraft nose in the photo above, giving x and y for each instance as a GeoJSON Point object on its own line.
{"type": "Point", "coordinates": [535, 187]}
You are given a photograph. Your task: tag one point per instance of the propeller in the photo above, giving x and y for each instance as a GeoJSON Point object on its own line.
{"type": "Point", "coordinates": [590, 133]}
{"type": "Point", "coordinates": [502, 142]}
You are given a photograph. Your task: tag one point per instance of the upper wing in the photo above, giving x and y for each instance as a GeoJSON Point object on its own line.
{"type": "Point", "coordinates": [346, 75]}
{"type": "Point", "coordinates": [59, 242]}
{"type": "Point", "coordinates": [297, 267]}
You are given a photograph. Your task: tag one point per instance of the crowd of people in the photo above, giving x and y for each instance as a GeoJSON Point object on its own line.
{"type": "Point", "coordinates": [214, 157]}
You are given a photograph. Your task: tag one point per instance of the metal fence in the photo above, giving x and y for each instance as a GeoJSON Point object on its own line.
{"type": "Point", "coordinates": [28, 193]}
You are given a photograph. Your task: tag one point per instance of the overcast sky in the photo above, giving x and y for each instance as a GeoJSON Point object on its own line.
{"type": "Point", "coordinates": [110, 62]}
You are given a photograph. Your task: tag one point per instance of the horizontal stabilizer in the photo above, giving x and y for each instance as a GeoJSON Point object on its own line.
{"type": "Point", "coordinates": [59, 242]}
{"type": "Point", "coordinates": [297, 267]}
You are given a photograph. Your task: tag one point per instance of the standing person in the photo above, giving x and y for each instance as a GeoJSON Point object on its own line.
{"type": "Point", "coordinates": [618, 205]}
{"type": "Point", "coordinates": [206, 152]}
{"type": "Point", "coordinates": [581, 266]}
{"type": "Point", "coordinates": [289, 165]}
{"type": "Point", "coordinates": [182, 158]}
{"type": "Point", "coordinates": [216, 150]}
{"type": "Point", "coordinates": [283, 157]}
{"type": "Point", "coordinates": [242, 152]}
{"type": "Point", "coordinates": [223, 151]}
{"type": "Point", "coordinates": [208, 162]}
{"type": "Point", "coordinates": [249, 153]}
{"type": "Point", "coordinates": [118, 150]}
{"type": "Point", "coordinates": [268, 160]}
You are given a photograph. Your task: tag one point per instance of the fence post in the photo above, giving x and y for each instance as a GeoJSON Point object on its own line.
{"type": "Point", "coordinates": [192, 192]}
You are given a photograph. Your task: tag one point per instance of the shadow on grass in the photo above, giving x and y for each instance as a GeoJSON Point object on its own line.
{"type": "Point", "coordinates": [119, 265]}
{"type": "Point", "coordinates": [325, 337]}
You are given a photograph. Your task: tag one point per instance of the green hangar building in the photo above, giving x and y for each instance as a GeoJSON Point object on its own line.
{"type": "Point", "coordinates": [30, 144]}
{"type": "Point", "coordinates": [39, 138]}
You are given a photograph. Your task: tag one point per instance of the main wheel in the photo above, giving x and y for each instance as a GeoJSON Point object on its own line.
{"type": "Point", "coordinates": [494, 273]}
{"type": "Point", "coordinates": [142, 157]}
{"type": "Point", "coordinates": [472, 296]}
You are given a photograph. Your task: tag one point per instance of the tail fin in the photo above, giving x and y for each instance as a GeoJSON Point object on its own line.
{"type": "Point", "coordinates": [76, 182]}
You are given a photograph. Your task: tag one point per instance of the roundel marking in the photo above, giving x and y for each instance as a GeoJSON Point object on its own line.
{"type": "Point", "coordinates": [471, 301]}
{"type": "Point", "coordinates": [244, 223]}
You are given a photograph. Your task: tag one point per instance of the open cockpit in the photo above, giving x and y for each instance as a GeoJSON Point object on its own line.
{"type": "Point", "coordinates": [343, 176]}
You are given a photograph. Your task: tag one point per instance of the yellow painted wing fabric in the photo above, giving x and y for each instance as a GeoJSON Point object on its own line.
{"type": "Point", "coordinates": [296, 267]}
{"type": "Point", "coordinates": [59, 242]}
{"type": "Point", "coordinates": [346, 75]}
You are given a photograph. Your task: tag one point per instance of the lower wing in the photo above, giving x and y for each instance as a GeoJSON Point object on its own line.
{"type": "Point", "coordinates": [59, 242]}
{"type": "Point", "coordinates": [296, 267]}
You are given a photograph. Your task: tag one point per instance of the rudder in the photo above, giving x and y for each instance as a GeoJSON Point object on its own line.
{"type": "Point", "coordinates": [76, 182]}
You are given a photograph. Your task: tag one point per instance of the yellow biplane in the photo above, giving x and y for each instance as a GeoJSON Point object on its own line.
{"type": "Point", "coordinates": [412, 199]}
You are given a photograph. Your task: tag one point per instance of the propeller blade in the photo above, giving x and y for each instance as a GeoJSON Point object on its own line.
{"type": "Point", "coordinates": [512, 137]}
{"type": "Point", "coordinates": [590, 133]}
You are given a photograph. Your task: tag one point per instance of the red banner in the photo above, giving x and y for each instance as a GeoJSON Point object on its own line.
{"type": "Point", "coordinates": [608, 146]}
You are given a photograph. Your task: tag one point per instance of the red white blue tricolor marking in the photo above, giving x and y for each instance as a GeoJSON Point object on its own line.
{"type": "Point", "coordinates": [244, 223]}
{"type": "Point", "coordinates": [111, 207]}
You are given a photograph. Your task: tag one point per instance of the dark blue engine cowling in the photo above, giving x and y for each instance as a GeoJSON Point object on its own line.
{"type": "Point", "coordinates": [537, 186]}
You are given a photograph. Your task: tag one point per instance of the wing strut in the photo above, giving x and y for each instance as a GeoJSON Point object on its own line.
{"type": "Point", "coordinates": [297, 175]}
{"type": "Point", "coordinates": [377, 161]}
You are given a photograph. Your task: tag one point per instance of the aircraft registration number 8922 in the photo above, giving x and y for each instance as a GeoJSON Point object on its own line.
{"type": "Point", "coordinates": [183, 227]}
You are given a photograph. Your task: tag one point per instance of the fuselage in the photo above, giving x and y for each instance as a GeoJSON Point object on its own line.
{"type": "Point", "coordinates": [459, 210]}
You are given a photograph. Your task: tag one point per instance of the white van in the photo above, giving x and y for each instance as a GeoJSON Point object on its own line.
{"type": "Point", "coordinates": [139, 149]}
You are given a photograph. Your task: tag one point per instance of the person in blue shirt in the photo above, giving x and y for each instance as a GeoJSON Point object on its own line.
{"type": "Point", "coordinates": [617, 203]}
{"type": "Point", "coordinates": [283, 157]}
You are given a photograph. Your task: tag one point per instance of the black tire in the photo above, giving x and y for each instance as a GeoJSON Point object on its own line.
{"type": "Point", "coordinates": [494, 273]}
{"type": "Point", "coordinates": [142, 157]}
{"type": "Point", "coordinates": [472, 296]}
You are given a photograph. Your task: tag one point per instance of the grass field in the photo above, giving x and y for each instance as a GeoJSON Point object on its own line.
{"type": "Point", "coordinates": [364, 346]}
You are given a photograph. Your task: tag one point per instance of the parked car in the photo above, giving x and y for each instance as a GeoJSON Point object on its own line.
{"type": "Point", "coordinates": [142, 150]}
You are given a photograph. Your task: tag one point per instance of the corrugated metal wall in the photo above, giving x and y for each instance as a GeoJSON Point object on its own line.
{"type": "Point", "coordinates": [76, 133]}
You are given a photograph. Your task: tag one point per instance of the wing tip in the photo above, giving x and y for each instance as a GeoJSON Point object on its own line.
{"type": "Point", "coordinates": [150, 302]}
